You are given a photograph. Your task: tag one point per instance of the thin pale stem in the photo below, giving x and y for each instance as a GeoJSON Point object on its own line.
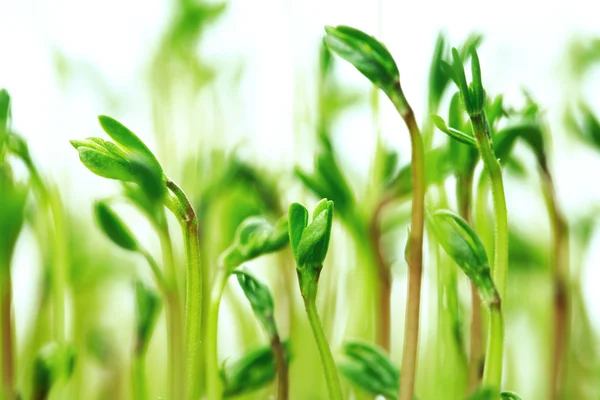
{"type": "Point", "coordinates": [186, 215]}
{"type": "Point", "coordinates": [560, 271]}
{"type": "Point", "coordinates": [282, 367]}
{"type": "Point", "coordinates": [331, 375]}
{"type": "Point", "coordinates": [414, 256]}
{"type": "Point", "coordinates": [464, 194]}
{"type": "Point", "coordinates": [214, 389]}
{"type": "Point", "coordinates": [138, 377]}
{"type": "Point", "coordinates": [492, 374]}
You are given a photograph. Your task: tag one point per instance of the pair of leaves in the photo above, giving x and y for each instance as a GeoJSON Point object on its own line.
{"type": "Point", "coordinates": [54, 362]}
{"type": "Point", "coordinates": [148, 307]}
{"type": "Point", "coordinates": [310, 242]}
{"type": "Point", "coordinates": [369, 368]}
{"type": "Point", "coordinates": [129, 160]}
{"type": "Point", "coordinates": [255, 236]}
{"type": "Point", "coordinates": [438, 78]}
{"type": "Point", "coordinates": [366, 53]}
{"type": "Point", "coordinates": [254, 370]}
{"type": "Point", "coordinates": [114, 228]}
{"type": "Point", "coordinates": [473, 95]}
{"type": "Point", "coordinates": [260, 299]}
{"type": "Point", "coordinates": [463, 245]}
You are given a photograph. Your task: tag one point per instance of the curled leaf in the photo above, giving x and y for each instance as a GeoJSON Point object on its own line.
{"type": "Point", "coordinates": [461, 243]}
{"type": "Point", "coordinates": [148, 307]}
{"type": "Point", "coordinates": [53, 362]}
{"type": "Point", "coordinates": [251, 372]}
{"type": "Point", "coordinates": [114, 227]}
{"type": "Point", "coordinates": [366, 53]}
{"type": "Point", "coordinates": [453, 133]}
{"type": "Point", "coordinates": [260, 299]}
{"type": "Point", "coordinates": [368, 368]}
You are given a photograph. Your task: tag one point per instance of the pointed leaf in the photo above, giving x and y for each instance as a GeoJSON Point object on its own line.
{"type": "Point", "coordinates": [114, 228]}
{"type": "Point", "coordinates": [148, 307]}
{"type": "Point", "coordinates": [260, 299]}
{"type": "Point", "coordinates": [298, 221]}
{"type": "Point", "coordinates": [453, 133]}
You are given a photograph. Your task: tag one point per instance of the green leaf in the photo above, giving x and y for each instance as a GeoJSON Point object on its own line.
{"type": "Point", "coordinates": [369, 368]}
{"type": "Point", "coordinates": [314, 243]}
{"type": "Point", "coordinates": [129, 140]}
{"type": "Point", "coordinates": [532, 134]}
{"type": "Point", "coordinates": [147, 311]}
{"type": "Point", "coordinates": [298, 221]}
{"type": "Point", "coordinates": [251, 372]}
{"type": "Point", "coordinates": [54, 362]}
{"type": "Point", "coordinates": [509, 396]}
{"type": "Point", "coordinates": [255, 237]}
{"type": "Point", "coordinates": [477, 93]}
{"type": "Point", "coordinates": [366, 53]}
{"type": "Point", "coordinates": [260, 299]}
{"type": "Point", "coordinates": [13, 198]}
{"type": "Point", "coordinates": [114, 228]}
{"type": "Point", "coordinates": [453, 133]}
{"type": "Point", "coordinates": [102, 162]}
{"type": "Point", "coordinates": [4, 110]}
{"type": "Point", "coordinates": [463, 245]}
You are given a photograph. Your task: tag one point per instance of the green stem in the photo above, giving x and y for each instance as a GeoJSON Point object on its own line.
{"type": "Point", "coordinates": [214, 387]}
{"type": "Point", "coordinates": [331, 375]}
{"type": "Point", "coordinates": [7, 332]}
{"type": "Point", "coordinates": [414, 256]}
{"type": "Point", "coordinates": [186, 215]}
{"type": "Point", "coordinates": [493, 364]}
{"type": "Point", "coordinates": [494, 170]}
{"type": "Point", "coordinates": [140, 390]}
{"type": "Point", "coordinates": [492, 374]}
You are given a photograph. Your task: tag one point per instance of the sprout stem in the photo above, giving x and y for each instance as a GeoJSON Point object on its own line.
{"type": "Point", "coordinates": [493, 363]}
{"type": "Point", "coordinates": [214, 389]}
{"type": "Point", "coordinates": [282, 367]}
{"type": "Point", "coordinates": [560, 270]}
{"type": "Point", "coordinates": [414, 258]}
{"type": "Point", "coordinates": [8, 361]}
{"type": "Point", "coordinates": [331, 375]}
{"type": "Point", "coordinates": [140, 390]}
{"type": "Point", "coordinates": [186, 215]}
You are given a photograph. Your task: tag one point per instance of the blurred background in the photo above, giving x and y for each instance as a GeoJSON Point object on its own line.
{"type": "Point", "coordinates": [206, 83]}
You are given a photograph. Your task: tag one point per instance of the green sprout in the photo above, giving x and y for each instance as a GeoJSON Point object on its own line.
{"type": "Point", "coordinates": [310, 243]}
{"type": "Point", "coordinates": [376, 63]}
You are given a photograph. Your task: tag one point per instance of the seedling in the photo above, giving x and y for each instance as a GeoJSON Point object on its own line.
{"type": "Point", "coordinates": [310, 243]}
{"type": "Point", "coordinates": [262, 304]}
{"type": "Point", "coordinates": [255, 237]}
{"type": "Point", "coordinates": [376, 63]}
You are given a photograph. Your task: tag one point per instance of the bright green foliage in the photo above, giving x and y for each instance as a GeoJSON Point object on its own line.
{"type": "Point", "coordinates": [461, 243]}
{"type": "Point", "coordinates": [310, 242]}
{"type": "Point", "coordinates": [453, 133]}
{"type": "Point", "coordinates": [114, 228]}
{"type": "Point", "coordinates": [368, 368]}
{"type": "Point", "coordinates": [473, 95]}
{"type": "Point", "coordinates": [54, 362]}
{"type": "Point", "coordinates": [255, 237]}
{"type": "Point", "coordinates": [488, 394]}
{"type": "Point", "coordinates": [260, 299]}
{"type": "Point", "coordinates": [104, 160]}
{"type": "Point", "coordinates": [12, 213]}
{"type": "Point", "coordinates": [148, 305]}
{"type": "Point", "coordinates": [366, 53]}
{"type": "Point", "coordinates": [510, 396]}
{"type": "Point", "coordinates": [251, 372]}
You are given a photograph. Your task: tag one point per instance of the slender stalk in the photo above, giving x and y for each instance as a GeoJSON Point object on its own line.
{"type": "Point", "coordinates": [494, 171]}
{"type": "Point", "coordinates": [385, 278]}
{"type": "Point", "coordinates": [463, 193]}
{"type": "Point", "coordinates": [8, 359]}
{"type": "Point", "coordinates": [560, 271]}
{"type": "Point", "coordinates": [493, 363]}
{"type": "Point", "coordinates": [194, 273]}
{"type": "Point", "coordinates": [331, 375]}
{"type": "Point", "coordinates": [214, 389]}
{"type": "Point", "coordinates": [138, 378]}
{"type": "Point", "coordinates": [414, 256]}
{"type": "Point", "coordinates": [492, 374]}
{"type": "Point", "coordinates": [282, 368]}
